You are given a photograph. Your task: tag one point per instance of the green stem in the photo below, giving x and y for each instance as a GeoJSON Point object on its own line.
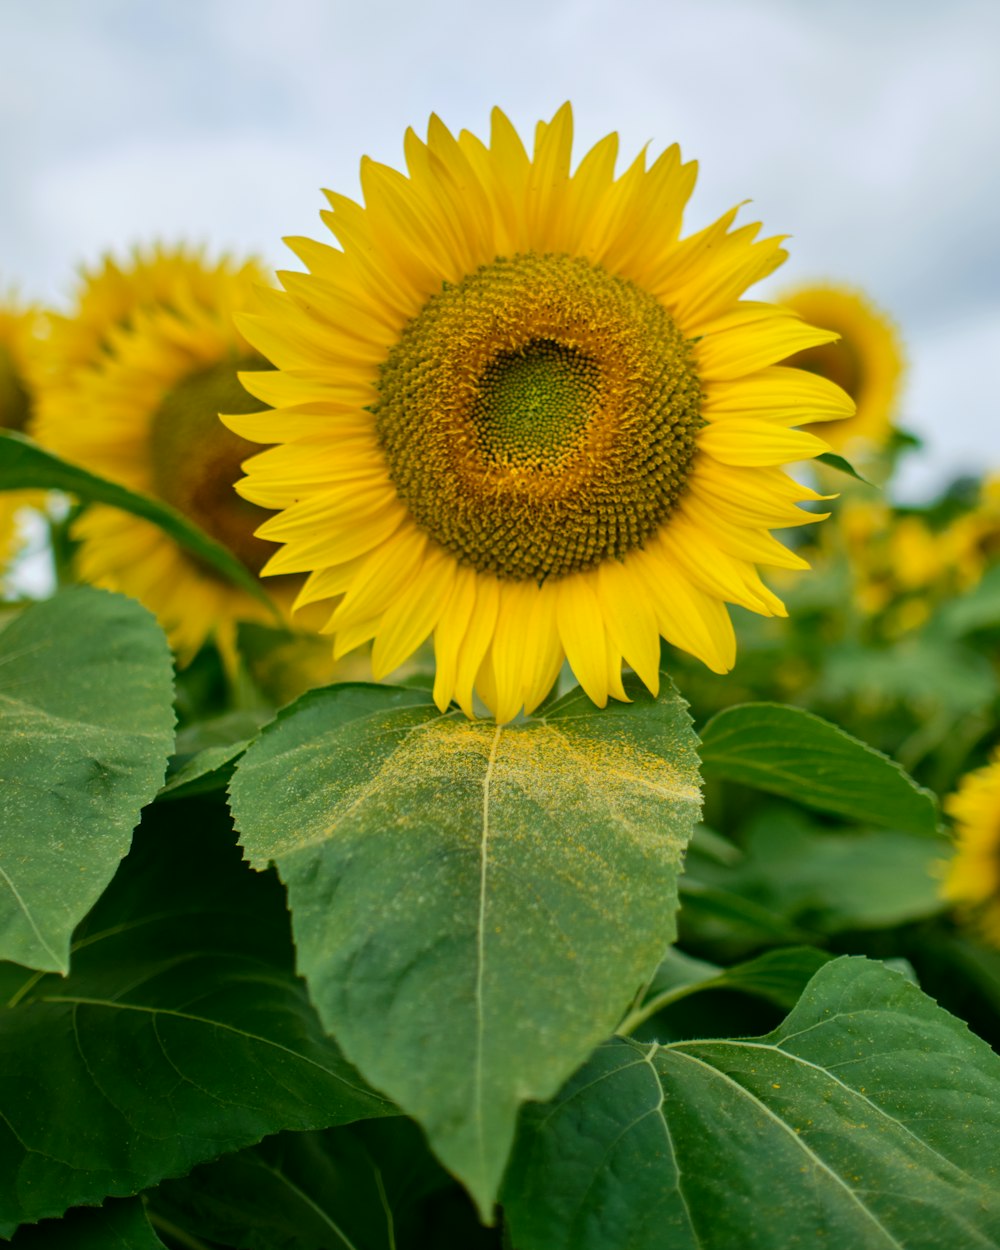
{"type": "Point", "coordinates": [649, 1009]}
{"type": "Point", "coordinates": [178, 1234]}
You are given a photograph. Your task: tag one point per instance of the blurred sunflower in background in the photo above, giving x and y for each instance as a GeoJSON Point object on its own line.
{"type": "Point", "coordinates": [134, 383]}
{"type": "Point", "coordinates": [903, 566]}
{"type": "Point", "coordinates": [866, 360]}
{"type": "Point", "coordinates": [973, 879]}
{"type": "Point", "coordinates": [19, 347]}
{"type": "Point", "coordinates": [519, 412]}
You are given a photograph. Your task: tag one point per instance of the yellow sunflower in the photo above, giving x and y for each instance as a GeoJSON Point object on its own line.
{"type": "Point", "coordinates": [517, 411]}
{"type": "Point", "coordinates": [973, 880]}
{"type": "Point", "coordinates": [142, 409]}
{"type": "Point", "coordinates": [19, 328]}
{"type": "Point", "coordinates": [867, 361]}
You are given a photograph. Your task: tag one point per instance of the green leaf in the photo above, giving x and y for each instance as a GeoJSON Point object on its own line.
{"type": "Point", "coordinates": [474, 907]}
{"type": "Point", "coordinates": [370, 1186]}
{"type": "Point", "coordinates": [788, 751]}
{"type": "Point", "coordinates": [833, 461]}
{"type": "Point", "coordinates": [829, 882]}
{"type": "Point", "coordinates": [714, 914]}
{"type": "Point", "coordinates": [181, 1033]}
{"type": "Point", "coordinates": [207, 751]}
{"type": "Point", "coordinates": [869, 1118]}
{"type": "Point", "coordinates": [86, 721]}
{"type": "Point", "coordinates": [204, 773]}
{"type": "Point", "coordinates": [121, 1224]}
{"type": "Point", "coordinates": [778, 976]}
{"type": "Point", "coordinates": [23, 464]}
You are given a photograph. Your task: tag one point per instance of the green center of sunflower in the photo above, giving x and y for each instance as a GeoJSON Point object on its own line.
{"type": "Point", "coordinates": [196, 459]}
{"type": "Point", "coordinates": [539, 417]}
{"type": "Point", "coordinates": [532, 405]}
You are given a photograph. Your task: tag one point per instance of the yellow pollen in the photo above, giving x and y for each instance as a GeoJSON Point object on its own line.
{"type": "Point", "coordinates": [539, 417]}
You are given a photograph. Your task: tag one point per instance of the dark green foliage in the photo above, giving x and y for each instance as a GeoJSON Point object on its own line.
{"type": "Point", "coordinates": [181, 1033]}
{"type": "Point", "coordinates": [869, 1118]}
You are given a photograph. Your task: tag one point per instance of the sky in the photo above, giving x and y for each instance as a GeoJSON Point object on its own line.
{"type": "Point", "coordinates": [867, 131]}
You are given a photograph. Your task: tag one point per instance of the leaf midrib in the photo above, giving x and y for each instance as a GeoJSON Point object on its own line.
{"type": "Point", "coordinates": [481, 952]}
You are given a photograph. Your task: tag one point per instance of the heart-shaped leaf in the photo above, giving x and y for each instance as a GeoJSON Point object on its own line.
{"type": "Point", "coordinates": [474, 906]}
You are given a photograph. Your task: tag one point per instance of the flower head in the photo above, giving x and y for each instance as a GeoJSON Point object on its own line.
{"type": "Point", "coordinates": [133, 389]}
{"type": "Point", "coordinates": [866, 360]}
{"type": "Point", "coordinates": [517, 411]}
{"type": "Point", "coordinates": [973, 880]}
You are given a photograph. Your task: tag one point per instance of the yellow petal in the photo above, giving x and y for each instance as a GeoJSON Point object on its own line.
{"type": "Point", "coordinates": [476, 643]}
{"type": "Point", "coordinates": [581, 631]}
{"type": "Point", "coordinates": [746, 441]}
{"type": "Point", "coordinates": [630, 620]}
{"type": "Point", "coordinates": [731, 353]}
{"type": "Point", "coordinates": [449, 634]}
{"type": "Point", "coordinates": [385, 575]}
{"type": "Point", "coordinates": [409, 620]}
{"type": "Point", "coordinates": [543, 653]}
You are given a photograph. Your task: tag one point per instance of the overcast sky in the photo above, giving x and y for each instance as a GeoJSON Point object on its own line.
{"type": "Point", "coordinates": [868, 130]}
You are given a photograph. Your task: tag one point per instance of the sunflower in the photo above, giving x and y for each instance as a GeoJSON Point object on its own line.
{"type": "Point", "coordinates": [867, 361]}
{"type": "Point", "coordinates": [973, 880]}
{"type": "Point", "coordinates": [19, 329]}
{"type": "Point", "coordinates": [517, 411]}
{"type": "Point", "coordinates": [133, 392]}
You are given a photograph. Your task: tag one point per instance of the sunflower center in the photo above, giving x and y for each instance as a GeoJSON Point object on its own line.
{"type": "Point", "coordinates": [196, 459]}
{"type": "Point", "coordinates": [539, 417]}
{"type": "Point", "coordinates": [533, 405]}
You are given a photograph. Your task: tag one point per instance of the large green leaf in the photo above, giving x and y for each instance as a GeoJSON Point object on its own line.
{"type": "Point", "coordinates": [474, 907]}
{"type": "Point", "coordinates": [86, 727]}
{"type": "Point", "coordinates": [181, 1033]}
{"type": "Point", "coordinates": [788, 751]}
{"type": "Point", "coordinates": [868, 1119]}
{"type": "Point", "coordinates": [25, 465]}
{"type": "Point", "coordinates": [121, 1224]}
